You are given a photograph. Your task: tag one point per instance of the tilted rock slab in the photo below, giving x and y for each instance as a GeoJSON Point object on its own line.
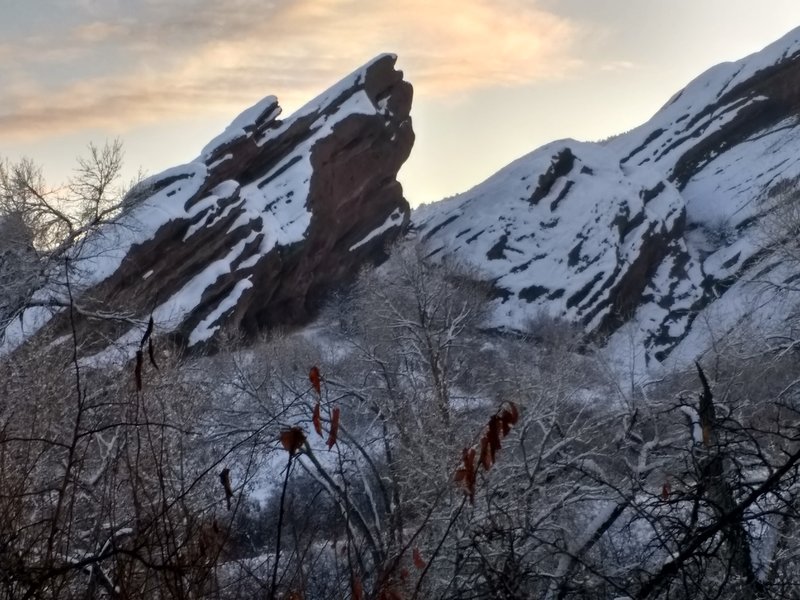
{"type": "Point", "coordinates": [254, 232]}
{"type": "Point", "coordinates": [637, 236]}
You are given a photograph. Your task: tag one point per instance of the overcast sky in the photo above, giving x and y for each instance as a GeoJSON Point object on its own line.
{"type": "Point", "coordinates": [493, 79]}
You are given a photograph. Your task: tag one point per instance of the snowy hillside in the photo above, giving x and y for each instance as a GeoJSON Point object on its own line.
{"type": "Point", "coordinates": [636, 236]}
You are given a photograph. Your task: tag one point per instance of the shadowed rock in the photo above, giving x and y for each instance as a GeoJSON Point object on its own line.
{"type": "Point", "coordinates": [254, 232]}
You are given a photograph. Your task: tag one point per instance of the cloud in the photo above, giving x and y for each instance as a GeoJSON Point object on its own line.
{"type": "Point", "coordinates": [619, 65]}
{"type": "Point", "coordinates": [97, 31]}
{"type": "Point", "coordinates": [122, 104]}
{"type": "Point", "coordinates": [194, 57]}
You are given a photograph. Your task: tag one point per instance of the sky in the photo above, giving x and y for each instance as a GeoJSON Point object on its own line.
{"type": "Point", "coordinates": [493, 79]}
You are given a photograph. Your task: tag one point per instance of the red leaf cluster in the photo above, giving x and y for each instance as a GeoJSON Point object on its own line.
{"type": "Point", "coordinates": [293, 439]}
{"type": "Point", "coordinates": [509, 416]}
{"type": "Point", "coordinates": [316, 419]}
{"type": "Point", "coordinates": [467, 472]}
{"type": "Point", "coordinates": [497, 428]}
{"type": "Point", "coordinates": [316, 380]}
{"type": "Point", "coordinates": [666, 490]}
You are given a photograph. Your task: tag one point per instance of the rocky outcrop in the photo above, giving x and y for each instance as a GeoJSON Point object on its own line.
{"type": "Point", "coordinates": [636, 237]}
{"type": "Point", "coordinates": [651, 240]}
{"type": "Point", "coordinates": [565, 232]}
{"type": "Point", "coordinates": [257, 229]}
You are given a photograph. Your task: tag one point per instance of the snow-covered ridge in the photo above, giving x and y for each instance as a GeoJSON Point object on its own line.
{"type": "Point", "coordinates": [635, 237]}
{"type": "Point", "coordinates": [647, 240]}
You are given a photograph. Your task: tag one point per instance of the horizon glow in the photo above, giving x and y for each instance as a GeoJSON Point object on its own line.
{"type": "Point", "coordinates": [493, 79]}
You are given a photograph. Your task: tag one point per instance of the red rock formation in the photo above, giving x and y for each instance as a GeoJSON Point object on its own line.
{"type": "Point", "coordinates": [257, 230]}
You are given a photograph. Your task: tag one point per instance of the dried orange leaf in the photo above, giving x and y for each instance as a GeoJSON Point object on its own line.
{"type": "Point", "coordinates": [493, 435]}
{"type": "Point", "coordinates": [515, 412]}
{"type": "Point", "coordinates": [293, 439]}
{"type": "Point", "coordinates": [486, 459]}
{"type": "Point", "coordinates": [334, 428]}
{"type": "Point", "coordinates": [666, 490]}
{"type": "Point", "coordinates": [316, 380]}
{"type": "Point", "coordinates": [469, 459]}
{"type": "Point", "coordinates": [317, 419]}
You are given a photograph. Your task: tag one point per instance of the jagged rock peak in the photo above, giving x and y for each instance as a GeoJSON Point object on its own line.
{"type": "Point", "coordinates": [251, 234]}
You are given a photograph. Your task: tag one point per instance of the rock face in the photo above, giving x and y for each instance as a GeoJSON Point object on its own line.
{"type": "Point", "coordinates": [637, 236]}
{"type": "Point", "coordinates": [652, 240]}
{"type": "Point", "coordinates": [252, 233]}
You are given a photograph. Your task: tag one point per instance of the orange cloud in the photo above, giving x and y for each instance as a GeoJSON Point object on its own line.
{"type": "Point", "coordinates": [196, 58]}
{"type": "Point", "coordinates": [97, 31]}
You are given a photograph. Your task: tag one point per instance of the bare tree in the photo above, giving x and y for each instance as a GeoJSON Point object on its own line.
{"type": "Point", "coordinates": [43, 226]}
